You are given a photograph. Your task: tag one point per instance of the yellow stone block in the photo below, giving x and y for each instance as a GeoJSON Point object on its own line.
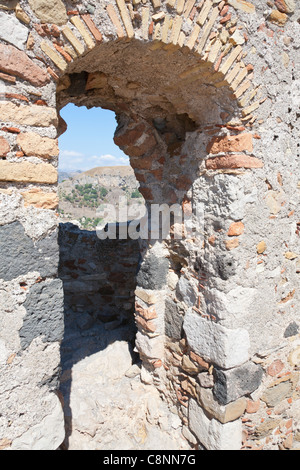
{"type": "Point", "coordinates": [54, 56]}
{"type": "Point", "coordinates": [25, 172]}
{"type": "Point", "coordinates": [83, 31]}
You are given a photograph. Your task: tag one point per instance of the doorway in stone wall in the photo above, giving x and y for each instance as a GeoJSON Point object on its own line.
{"type": "Point", "coordinates": [165, 120]}
{"type": "Point", "coordinates": [108, 403]}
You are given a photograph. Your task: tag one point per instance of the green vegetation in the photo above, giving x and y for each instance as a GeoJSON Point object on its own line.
{"type": "Point", "coordinates": [86, 195]}
{"type": "Point", "coordinates": [90, 224]}
{"type": "Point", "coordinates": [136, 194]}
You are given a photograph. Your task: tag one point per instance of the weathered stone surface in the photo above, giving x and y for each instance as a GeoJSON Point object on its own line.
{"type": "Point", "coordinates": [173, 320]}
{"type": "Point", "coordinates": [224, 144]}
{"type": "Point", "coordinates": [226, 266]}
{"type": "Point", "coordinates": [206, 380]}
{"type": "Point", "coordinates": [34, 115]}
{"type": "Point", "coordinates": [46, 435]}
{"type": "Point", "coordinates": [16, 62]}
{"type": "Point", "coordinates": [33, 144]}
{"type": "Point", "coordinates": [236, 229]}
{"type": "Point", "coordinates": [232, 162]}
{"type": "Point", "coordinates": [28, 172]}
{"type": "Point", "coordinates": [21, 15]}
{"type": "Point", "coordinates": [278, 18]}
{"type": "Point", "coordinates": [232, 244]}
{"type": "Point", "coordinates": [275, 395]}
{"type": "Point", "coordinates": [224, 414]}
{"type": "Point", "coordinates": [216, 344]}
{"type": "Point", "coordinates": [45, 313]}
{"type": "Point", "coordinates": [152, 348]}
{"type": "Point", "coordinates": [19, 255]}
{"type": "Point", "coordinates": [186, 291]}
{"type": "Point", "coordinates": [54, 12]}
{"type": "Point", "coordinates": [153, 273]}
{"type": "Point", "coordinates": [233, 384]}
{"type": "Point", "coordinates": [4, 147]}
{"type": "Point", "coordinates": [8, 4]}
{"type": "Point", "coordinates": [266, 428]}
{"type": "Point", "coordinates": [248, 7]}
{"type": "Point", "coordinates": [213, 434]}
{"type": "Point", "coordinates": [13, 31]}
{"type": "Point", "coordinates": [40, 199]}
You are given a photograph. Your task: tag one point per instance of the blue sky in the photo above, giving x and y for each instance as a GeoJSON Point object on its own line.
{"type": "Point", "coordinates": [88, 142]}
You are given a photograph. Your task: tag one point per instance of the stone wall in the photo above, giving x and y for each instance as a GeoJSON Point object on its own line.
{"type": "Point", "coordinates": [207, 99]}
{"type": "Point", "coordinates": [99, 276]}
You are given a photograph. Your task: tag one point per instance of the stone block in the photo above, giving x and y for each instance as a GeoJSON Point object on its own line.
{"type": "Point", "coordinates": [4, 147]}
{"type": "Point", "coordinates": [224, 144]}
{"type": "Point", "coordinates": [212, 434]}
{"type": "Point", "coordinates": [219, 345]}
{"type": "Point", "coordinates": [54, 12]}
{"type": "Point", "coordinates": [44, 313]}
{"type": "Point", "coordinates": [13, 31]}
{"type": "Point", "coordinates": [20, 255]}
{"type": "Point", "coordinates": [40, 199]}
{"type": "Point", "coordinates": [34, 115]}
{"type": "Point", "coordinates": [231, 162]}
{"type": "Point", "coordinates": [26, 172]}
{"type": "Point", "coordinates": [233, 384]}
{"type": "Point", "coordinates": [277, 394]}
{"type": "Point", "coordinates": [152, 348]}
{"type": "Point", "coordinates": [173, 320]}
{"type": "Point", "coordinates": [33, 144]}
{"type": "Point", "coordinates": [224, 414]}
{"type": "Point", "coordinates": [16, 62]}
{"type": "Point", "coordinates": [49, 434]}
{"type": "Point", "coordinates": [153, 273]}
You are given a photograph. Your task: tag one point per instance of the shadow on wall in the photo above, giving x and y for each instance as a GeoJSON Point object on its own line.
{"type": "Point", "coordinates": [99, 279]}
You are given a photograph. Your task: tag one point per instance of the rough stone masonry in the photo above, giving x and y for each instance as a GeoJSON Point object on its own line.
{"type": "Point", "coordinates": [206, 94]}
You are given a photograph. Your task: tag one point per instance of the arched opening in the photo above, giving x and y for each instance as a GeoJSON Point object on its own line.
{"type": "Point", "coordinates": [161, 120]}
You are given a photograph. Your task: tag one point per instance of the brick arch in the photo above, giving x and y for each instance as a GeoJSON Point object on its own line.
{"type": "Point", "coordinates": [208, 30]}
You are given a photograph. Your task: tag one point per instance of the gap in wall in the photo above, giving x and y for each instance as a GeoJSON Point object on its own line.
{"type": "Point", "coordinates": [99, 276]}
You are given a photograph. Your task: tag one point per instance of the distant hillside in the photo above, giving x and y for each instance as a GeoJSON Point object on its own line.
{"type": "Point", "coordinates": [65, 175]}
{"type": "Point", "coordinates": [82, 194]}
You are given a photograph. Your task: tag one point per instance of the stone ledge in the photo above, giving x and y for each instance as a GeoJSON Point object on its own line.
{"type": "Point", "coordinates": [25, 172]}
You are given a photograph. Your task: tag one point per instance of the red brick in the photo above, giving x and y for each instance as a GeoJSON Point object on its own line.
{"type": "Point", "coordinates": [224, 10]}
{"type": "Point", "coordinates": [225, 18]}
{"type": "Point", "coordinates": [199, 360]}
{"type": "Point", "coordinates": [63, 52]}
{"type": "Point", "coordinates": [129, 136]}
{"type": "Point", "coordinates": [147, 146]}
{"type": "Point", "coordinates": [7, 78]}
{"type": "Point", "coordinates": [236, 229]}
{"type": "Point", "coordinates": [12, 130]}
{"type": "Point", "coordinates": [4, 147]}
{"type": "Point", "coordinates": [16, 97]}
{"type": "Point", "coordinates": [143, 163]}
{"type": "Point", "coordinates": [147, 193]}
{"type": "Point", "coordinates": [230, 162]}
{"type": "Point", "coordinates": [252, 406]}
{"type": "Point", "coordinates": [146, 325]}
{"type": "Point", "coordinates": [90, 24]}
{"type": "Point", "coordinates": [158, 174]}
{"type": "Point", "coordinates": [184, 182]}
{"type": "Point", "coordinates": [16, 62]}
{"type": "Point", "coordinates": [236, 143]}
{"type": "Point", "coordinates": [140, 177]}
{"type": "Point", "coordinates": [281, 6]}
{"type": "Point", "coordinates": [146, 313]}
